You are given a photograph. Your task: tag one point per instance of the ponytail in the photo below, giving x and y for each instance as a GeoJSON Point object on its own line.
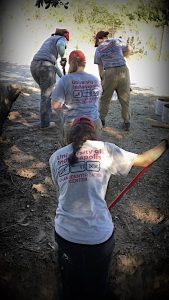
{"type": "Point", "coordinates": [78, 135]}
{"type": "Point", "coordinates": [75, 63]}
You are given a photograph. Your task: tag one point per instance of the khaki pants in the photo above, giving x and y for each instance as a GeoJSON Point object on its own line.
{"type": "Point", "coordinates": [118, 79]}
{"type": "Point", "coordinates": [67, 127]}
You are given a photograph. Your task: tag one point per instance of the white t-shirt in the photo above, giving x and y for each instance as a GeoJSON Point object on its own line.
{"type": "Point", "coordinates": [110, 53]}
{"type": "Point", "coordinates": [82, 215]}
{"type": "Point", "coordinates": [80, 93]}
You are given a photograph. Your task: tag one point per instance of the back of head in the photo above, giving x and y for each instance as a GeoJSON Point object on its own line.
{"type": "Point", "coordinates": [99, 36]}
{"type": "Point", "coordinates": [62, 32]}
{"type": "Point", "coordinates": [83, 129]}
{"type": "Point", "coordinates": [76, 59]}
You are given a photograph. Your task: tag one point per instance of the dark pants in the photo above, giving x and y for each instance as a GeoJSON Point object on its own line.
{"type": "Point", "coordinates": [84, 269]}
{"type": "Point", "coordinates": [44, 73]}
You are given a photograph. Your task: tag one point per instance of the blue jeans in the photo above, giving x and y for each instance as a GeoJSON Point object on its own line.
{"type": "Point", "coordinates": [84, 269]}
{"type": "Point", "coordinates": [44, 73]}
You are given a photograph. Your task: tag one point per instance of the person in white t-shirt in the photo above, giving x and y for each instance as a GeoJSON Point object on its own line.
{"type": "Point", "coordinates": [83, 223]}
{"type": "Point", "coordinates": [110, 57]}
{"type": "Point", "coordinates": [77, 93]}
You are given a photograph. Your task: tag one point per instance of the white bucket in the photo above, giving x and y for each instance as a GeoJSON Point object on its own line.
{"type": "Point", "coordinates": [165, 114]}
{"type": "Point", "coordinates": [160, 102]}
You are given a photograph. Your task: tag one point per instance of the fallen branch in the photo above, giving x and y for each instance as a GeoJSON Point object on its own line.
{"type": "Point", "coordinates": [160, 125]}
{"type": "Point", "coordinates": [15, 184]}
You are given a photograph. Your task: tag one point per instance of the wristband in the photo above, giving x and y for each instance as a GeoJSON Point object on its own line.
{"type": "Point", "coordinates": [166, 142]}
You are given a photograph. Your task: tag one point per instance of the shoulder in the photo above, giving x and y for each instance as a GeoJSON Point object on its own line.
{"type": "Point", "coordinates": [104, 45]}
{"type": "Point", "coordinates": [67, 77]}
{"type": "Point", "coordinates": [111, 147]}
{"type": "Point", "coordinates": [61, 39]}
{"type": "Point", "coordinates": [55, 156]}
{"type": "Point", "coordinates": [97, 50]}
{"type": "Point", "coordinates": [90, 76]}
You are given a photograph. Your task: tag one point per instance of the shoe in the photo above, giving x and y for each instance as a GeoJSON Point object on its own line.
{"type": "Point", "coordinates": [126, 126]}
{"type": "Point", "coordinates": [103, 123]}
{"type": "Point", "coordinates": [51, 125]}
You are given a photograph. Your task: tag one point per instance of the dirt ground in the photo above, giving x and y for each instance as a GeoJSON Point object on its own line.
{"type": "Point", "coordinates": [28, 252]}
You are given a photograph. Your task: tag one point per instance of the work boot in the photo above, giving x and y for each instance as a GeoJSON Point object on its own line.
{"type": "Point", "coordinates": [51, 125]}
{"type": "Point", "coordinates": [126, 126]}
{"type": "Point", "coordinates": [103, 123]}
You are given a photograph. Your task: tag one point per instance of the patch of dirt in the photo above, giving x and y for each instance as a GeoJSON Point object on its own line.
{"type": "Point", "coordinates": [28, 252]}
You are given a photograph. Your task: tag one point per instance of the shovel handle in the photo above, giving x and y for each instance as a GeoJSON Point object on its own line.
{"type": "Point", "coordinates": [131, 183]}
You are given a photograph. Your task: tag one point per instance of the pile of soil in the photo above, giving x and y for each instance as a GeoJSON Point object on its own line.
{"type": "Point", "coordinates": [28, 252]}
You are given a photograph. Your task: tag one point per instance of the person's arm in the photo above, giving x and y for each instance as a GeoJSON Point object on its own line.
{"type": "Point", "coordinates": [127, 50]}
{"type": "Point", "coordinates": [55, 104]}
{"type": "Point", "coordinates": [149, 156]}
{"type": "Point", "coordinates": [101, 71]}
{"type": "Point", "coordinates": [58, 95]}
{"type": "Point", "coordinates": [98, 61]}
{"type": "Point", "coordinates": [61, 47]}
{"type": "Point", "coordinates": [58, 71]}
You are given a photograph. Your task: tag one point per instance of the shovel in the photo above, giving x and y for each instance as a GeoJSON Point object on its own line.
{"type": "Point", "coordinates": [63, 64]}
{"type": "Point", "coordinates": [130, 184]}
{"type": "Point", "coordinates": [156, 229]}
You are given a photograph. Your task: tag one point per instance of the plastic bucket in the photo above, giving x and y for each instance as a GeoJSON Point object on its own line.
{"type": "Point", "coordinates": [159, 104]}
{"type": "Point", "coordinates": [165, 114]}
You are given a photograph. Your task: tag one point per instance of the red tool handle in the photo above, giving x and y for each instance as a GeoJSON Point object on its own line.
{"type": "Point", "coordinates": [131, 183]}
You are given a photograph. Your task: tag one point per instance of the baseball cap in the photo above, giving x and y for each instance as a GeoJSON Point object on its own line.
{"type": "Point", "coordinates": [100, 35]}
{"type": "Point", "coordinates": [62, 32]}
{"type": "Point", "coordinates": [77, 54]}
{"type": "Point", "coordinates": [83, 120]}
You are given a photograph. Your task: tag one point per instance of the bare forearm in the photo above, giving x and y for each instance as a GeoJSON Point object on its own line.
{"type": "Point", "coordinates": [56, 105]}
{"type": "Point", "coordinates": [149, 156]}
{"type": "Point", "coordinates": [101, 71]}
{"type": "Point", "coordinates": [58, 71]}
{"type": "Point", "coordinates": [127, 52]}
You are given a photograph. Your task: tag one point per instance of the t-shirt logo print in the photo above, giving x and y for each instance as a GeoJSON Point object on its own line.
{"type": "Point", "coordinates": [81, 166]}
{"type": "Point", "coordinates": [77, 94]}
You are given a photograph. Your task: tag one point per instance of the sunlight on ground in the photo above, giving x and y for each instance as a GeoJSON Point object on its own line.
{"type": "Point", "coordinates": [129, 264]}
{"type": "Point", "coordinates": [22, 36]}
{"type": "Point", "coordinates": [39, 188]}
{"type": "Point", "coordinates": [17, 117]}
{"type": "Point", "coordinates": [27, 173]}
{"type": "Point", "coordinates": [114, 132]}
{"type": "Point", "coordinates": [148, 215]}
{"type": "Point", "coordinates": [20, 156]}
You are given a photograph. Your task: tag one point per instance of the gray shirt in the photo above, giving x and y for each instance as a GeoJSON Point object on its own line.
{"type": "Point", "coordinates": [110, 53]}
{"type": "Point", "coordinates": [79, 92]}
{"type": "Point", "coordinates": [50, 49]}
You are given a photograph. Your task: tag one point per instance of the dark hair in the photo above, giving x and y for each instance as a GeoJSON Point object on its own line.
{"type": "Point", "coordinates": [100, 35]}
{"type": "Point", "coordinates": [61, 32]}
{"type": "Point", "coordinates": [78, 135]}
{"type": "Point", "coordinates": [58, 33]}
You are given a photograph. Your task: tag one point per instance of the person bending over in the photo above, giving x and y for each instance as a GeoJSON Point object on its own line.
{"type": "Point", "coordinates": [84, 229]}
{"type": "Point", "coordinates": [110, 57]}
{"type": "Point", "coordinates": [44, 68]}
